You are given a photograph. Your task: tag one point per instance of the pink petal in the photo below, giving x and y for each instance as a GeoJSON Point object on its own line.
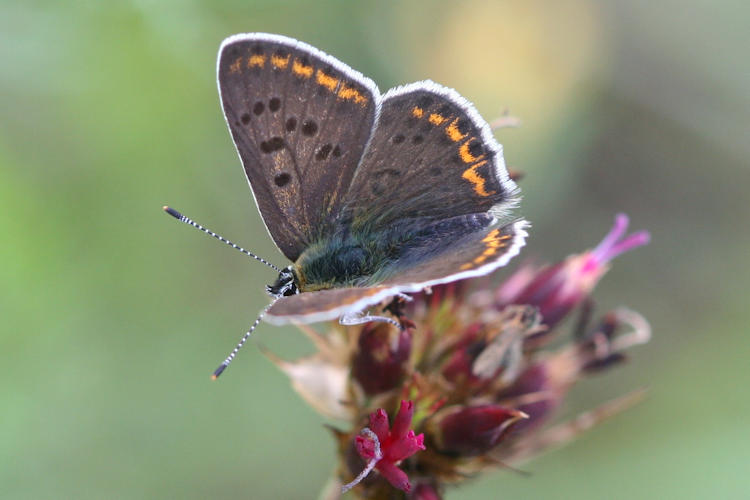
{"type": "Point", "coordinates": [394, 475]}
{"type": "Point", "coordinates": [365, 447]}
{"type": "Point", "coordinates": [379, 424]}
{"type": "Point", "coordinates": [405, 447]}
{"type": "Point", "coordinates": [402, 422]}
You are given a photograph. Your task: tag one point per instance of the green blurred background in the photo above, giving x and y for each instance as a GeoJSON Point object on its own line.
{"type": "Point", "coordinates": [114, 315]}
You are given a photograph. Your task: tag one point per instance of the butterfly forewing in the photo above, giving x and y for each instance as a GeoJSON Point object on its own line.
{"type": "Point", "coordinates": [432, 156]}
{"type": "Point", "coordinates": [301, 121]}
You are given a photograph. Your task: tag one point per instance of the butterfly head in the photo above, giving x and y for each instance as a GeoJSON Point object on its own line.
{"type": "Point", "coordinates": [285, 284]}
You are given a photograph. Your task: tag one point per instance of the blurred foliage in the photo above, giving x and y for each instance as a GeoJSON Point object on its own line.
{"type": "Point", "coordinates": [114, 315]}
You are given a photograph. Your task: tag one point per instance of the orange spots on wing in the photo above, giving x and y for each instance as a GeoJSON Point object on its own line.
{"type": "Point", "coordinates": [471, 175]}
{"type": "Point", "coordinates": [417, 112]}
{"type": "Point", "coordinates": [235, 66]}
{"type": "Point", "coordinates": [349, 93]}
{"type": "Point", "coordinates": [493, 242]}
{"type": "Point", "coordinates": [280, 62]}
{"type": "Point", "coordinates": [436, 119]}
{"type": "Point", "coordinates": [300, 69]}
{"type": "Point", "coordinates": [491, 236]}
{"type": "Point", "coordinates": [453, 133]}
{"type": "Point", "coordinates": [256, 60]}
{"type": "Point", "coordinates": [465, 154]}
{"type": "Point", "coordinates": [326, 81]}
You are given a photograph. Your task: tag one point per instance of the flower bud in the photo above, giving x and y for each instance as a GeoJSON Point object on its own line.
{"type": "Point", "coordinates": [471, 431]}
{"type": "Point", "coordinates": [457, 368]}
{"type": "Point", "coordinates": [531, 393]}
{"type": "Point", "coordinates": [558, 289]}
{"type": "Point", "coordinates": [381, 360]}
{"type": "Point", "coordinates": [425, 491]}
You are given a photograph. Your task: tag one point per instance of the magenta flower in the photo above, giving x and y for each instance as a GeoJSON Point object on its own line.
{"type": "Point", "coordinates": [558, 289]}
{"type": "Point", "coordinates": [386, 448]}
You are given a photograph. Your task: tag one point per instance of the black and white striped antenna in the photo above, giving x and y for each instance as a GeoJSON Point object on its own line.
{"type": "Point", "coordinates": [225, 363]}
{"type": "Point", "coordinates": [177, 215]}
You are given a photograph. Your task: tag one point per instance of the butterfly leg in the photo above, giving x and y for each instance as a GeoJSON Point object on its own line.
{"type": "Point", "coordinates": [359, 317]}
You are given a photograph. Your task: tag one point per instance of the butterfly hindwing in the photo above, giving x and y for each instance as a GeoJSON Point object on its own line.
{"type": "Point", "coordinates": [432, 156]}
{"type": "Point", "coordinates": [324, 304]}
{"type": "Point", "coordinates": [475, 253]}
{"type": "Point", "coordinates": [300, 120]}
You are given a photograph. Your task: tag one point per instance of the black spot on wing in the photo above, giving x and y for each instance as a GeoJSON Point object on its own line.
{"type": "Point", "coordinates": [282, 179]}
{"type": "Point", "coordinates": [272, 144]}
{"type": "Point", "coordinates": [309, 128]}
{"type": "Point", "coordinates": [323, 152]}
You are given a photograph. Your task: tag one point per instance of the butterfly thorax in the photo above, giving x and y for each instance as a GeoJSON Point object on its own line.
{"type": "Point", "coordinates": [338, 262]}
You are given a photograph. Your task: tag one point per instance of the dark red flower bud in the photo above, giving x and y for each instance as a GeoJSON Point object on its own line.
{"type": "Point", "coordinates": [425, 491]}
{"type": "Point", "coordinates": [471, 431]}
{"type": "Point", "coordinates": [531, 393]}
{"type": "Point", "coordinates": [558, 289]}
{"type": "Point", "coordinates": [458, 366]}
{"type": "Point", "coordinates": [381, 360]}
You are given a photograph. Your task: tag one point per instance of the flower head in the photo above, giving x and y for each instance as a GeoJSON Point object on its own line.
{"type": "Point", "coordinates": [472, 383]}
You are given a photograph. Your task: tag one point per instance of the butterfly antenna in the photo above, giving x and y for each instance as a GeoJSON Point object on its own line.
{"type": "Point", "coordinates": [177, 215]}
{"type": "Point", "coordinates": [225, 363]}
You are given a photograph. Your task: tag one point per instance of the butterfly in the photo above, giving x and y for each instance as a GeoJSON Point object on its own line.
{"type": "Point", "coordinates": [369, 195]}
